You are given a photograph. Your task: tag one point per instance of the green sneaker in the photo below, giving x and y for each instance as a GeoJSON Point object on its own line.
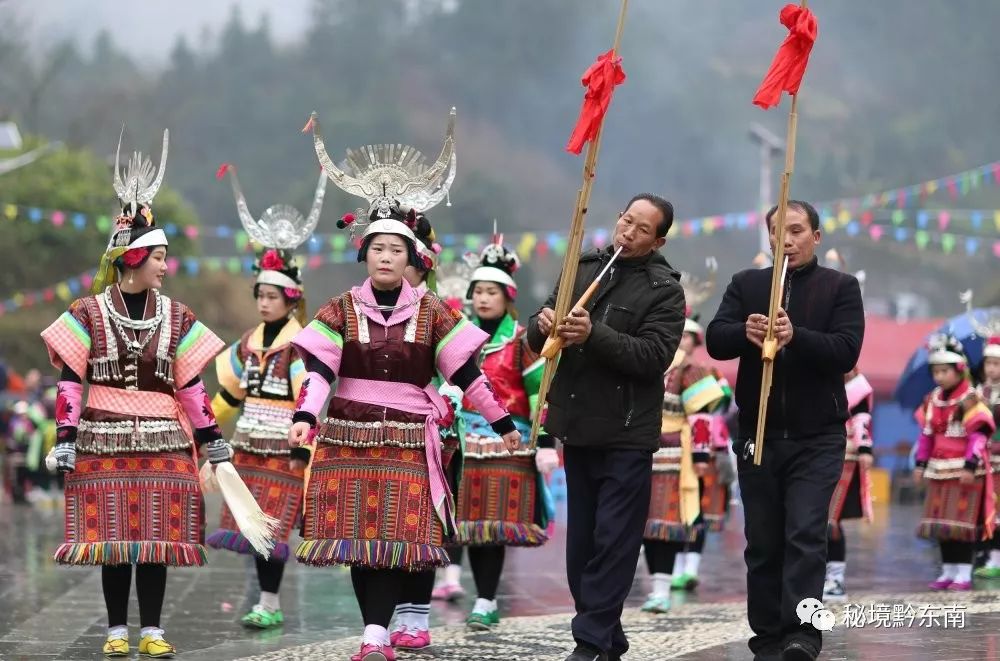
{"type": "Point", "coordinates": [684, 582]}
{"type": "Point", "coordinates": [261, 618]}
{"type": "Point", "coordinates": [482, 621]}
{"type": "Point", "coordinates": [988, 572]}
{"type": "Point", "coordinates": [656, 605]}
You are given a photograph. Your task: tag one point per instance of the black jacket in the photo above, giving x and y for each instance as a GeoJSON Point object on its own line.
{"type": "Point", "coordinates": [828, 320]}
{"type": "Point", "coordinates": [609, 391]}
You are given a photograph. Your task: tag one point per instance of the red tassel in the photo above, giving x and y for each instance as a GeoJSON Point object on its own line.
{"type": "Point", "coordinates": [789, 65]}
{"type": "Point", "coordinates": [309, 125]}
{"type": "Point", "coordinates": [223, 169]}
{"type": "Point", "coordinates": [600, 80]}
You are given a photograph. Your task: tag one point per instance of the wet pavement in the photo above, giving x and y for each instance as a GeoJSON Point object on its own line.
{"type": "Point", "coordinates": [53, 612]}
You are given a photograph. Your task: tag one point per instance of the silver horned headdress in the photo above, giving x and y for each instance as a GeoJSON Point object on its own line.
{"type": "Point", "coordinates": [390, 175]}
{"type": "Point", "coordinates": [142, 179]}
{"type": "Point", "coordinates": [988, 330]}
{"type": "Point", "coordinates": [281, 226]}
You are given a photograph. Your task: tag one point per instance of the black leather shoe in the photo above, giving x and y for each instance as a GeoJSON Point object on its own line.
{"type": "Point", "coordinates": [587, 653]}
{"type": "Point", "coordinates": [798, 650]}
{"type": "Point", "coordinates": [768, 653]}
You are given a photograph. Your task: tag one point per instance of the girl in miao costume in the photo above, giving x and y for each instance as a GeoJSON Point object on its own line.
{"type": "Point", "coordinates": [988, 375]}
{"type": "Point", "coordinates": [952, 457]}
{"type": "Point", "coordinates": [132, 488]}
{"type": "Point", "coordinates": [503, 499]}
{"type": "Point", "coordinates": [377, 498]}
{"type": "Point", "coordinates": [260, 376]}
{"type": "Point", "coordinates": [852, 498]}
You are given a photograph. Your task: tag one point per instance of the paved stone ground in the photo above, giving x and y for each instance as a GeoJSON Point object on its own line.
{"type": "Point", "coordinates": [52, 612]}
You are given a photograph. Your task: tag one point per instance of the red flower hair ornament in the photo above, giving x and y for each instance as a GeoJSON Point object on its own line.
{"type": "Point", "coordinates": [133, 258]}
{"type": "Point", "coordinates": [271, 261]}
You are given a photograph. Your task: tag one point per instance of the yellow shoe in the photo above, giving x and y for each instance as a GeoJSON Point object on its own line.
{"type": "Point", "coordinates": [115, 647]}
{"type": "Point", "coordinates": [156, 648]}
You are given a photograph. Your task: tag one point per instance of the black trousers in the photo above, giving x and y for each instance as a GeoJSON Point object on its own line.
{"type": "Point", "coordinates": [957, 552]}
{"type": "Point", "coordinates": [269, 573]}
{"type": "Point", "coordinates": [608, 500]}
{"type": "Point", "coordinates": [150, 587]}
{"type": "Point", "coordinates": [377, 592]}
{"type": "Point", "coordinates": [786, 502]}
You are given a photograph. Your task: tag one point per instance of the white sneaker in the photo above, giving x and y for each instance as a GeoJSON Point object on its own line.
{"type": "Point", "coordinates": [833, 590]}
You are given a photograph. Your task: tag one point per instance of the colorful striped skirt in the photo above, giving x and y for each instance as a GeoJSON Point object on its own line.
{"type": "Point", "coordinates": [953, 511]}
{"type": "Point", "coordinates": [276, 488]}
{"type": "Point", "coordinates": [714, 499]}
{"type": "Point", "coordinates": [499, 502]}
{"type": "Point", "coordinates": [143, 507]}
{"type": "Point", "coordinates": [851, 497]}
{"type": "Point", "coordinates": [370, 507]}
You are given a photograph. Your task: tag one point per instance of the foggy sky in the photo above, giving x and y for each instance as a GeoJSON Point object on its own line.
{"type": "Point", "coordinates": [159, 21]}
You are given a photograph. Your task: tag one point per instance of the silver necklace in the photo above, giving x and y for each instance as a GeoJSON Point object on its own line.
{"type": "Point", "coordinates": [135, 346]}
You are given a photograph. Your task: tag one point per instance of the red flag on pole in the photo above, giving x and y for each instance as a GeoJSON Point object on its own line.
{"type": "Point", "coordinates": [790, 62]}
{"type": "Point", "coordinates": [600, 80]}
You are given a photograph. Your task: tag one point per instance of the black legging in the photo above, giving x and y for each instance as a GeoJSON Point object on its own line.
{"type": "Point", "coordinates": [487, 566]}
{"type": "Point", "coordinates": [269, 573]}
{"type": "Point", "coordinates": [377, 591]}
{"type": "Point", "coordinates": [660, 555]}
{"type": "Point", "coordinates": [417, 588]}
{"type": "Point", "coordinates": [698, 545]}
{"type": "Point", "coordinates": [957, 552]}
{"type": "Point", "coordinates": [150, 586]}
{"type": "Point", "coordinates": [836, 545]}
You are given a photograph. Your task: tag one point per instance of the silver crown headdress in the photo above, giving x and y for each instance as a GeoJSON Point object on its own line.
{"type": "Point", "coordinates": [453, 280]}
{"type": "Point", "coordinates": [142, 179]}
{"type": "Point", "coordinates": [697, 291]}
{"type": "Point", "coordinates": [989, 331]}
{"type": "Point", "coordinates": [281, 226]}
{"type": "Point", "coordinates": [390, 174]}
{"type": "Point", "coordinates": [945, 349]}
{"type": "Point", "coordinates": [497, 263]}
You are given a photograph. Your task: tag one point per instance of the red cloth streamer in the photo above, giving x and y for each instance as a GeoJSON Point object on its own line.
{"type": "Point", "coordinates": [600, 80]}
{"type": "Point", "coordinates": [790, 62]}
{"type": "Point", "coordinates": [223, 169]}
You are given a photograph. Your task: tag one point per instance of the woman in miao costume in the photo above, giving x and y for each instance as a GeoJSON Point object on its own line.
{"type": "Point", "coordinates": [987, 373]}
{"type": "Point", "coordinates": [132, 487]}
{"type": "Point", "coordinates": [503, 499]}
{"type": "Point", "coordinates": [953, 459]}
{"type": "Point", "coordinates": [719, 472]}
{"type": "Point", "coordinates": [412, 615]}
{"type": "Point", "coordinates": [259, 377]}
{"type": "Point", "coordinates": [692, 393]}
{"type": "Point", "coordinates": [377, 498]}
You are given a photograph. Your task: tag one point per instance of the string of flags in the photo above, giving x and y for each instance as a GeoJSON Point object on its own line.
{"type": "Point", "coordinates": [526, 243]}
{"type": "Point", "coordinates": [903, 203]}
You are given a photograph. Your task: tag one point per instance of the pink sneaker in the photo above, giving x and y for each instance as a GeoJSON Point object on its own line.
{"type": "Point", "coordinates": [394, 636]}
{"type": "Point", "coordinates": [941, 584]}
{"type": "Point", "coordinates": [413, 641]}
{"type": "Point", "coordinates": [371, 652]}
{"type": "Point", "coordinates": [960, 586]}
{"type": "Point", "coordinates": [447, 592]}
